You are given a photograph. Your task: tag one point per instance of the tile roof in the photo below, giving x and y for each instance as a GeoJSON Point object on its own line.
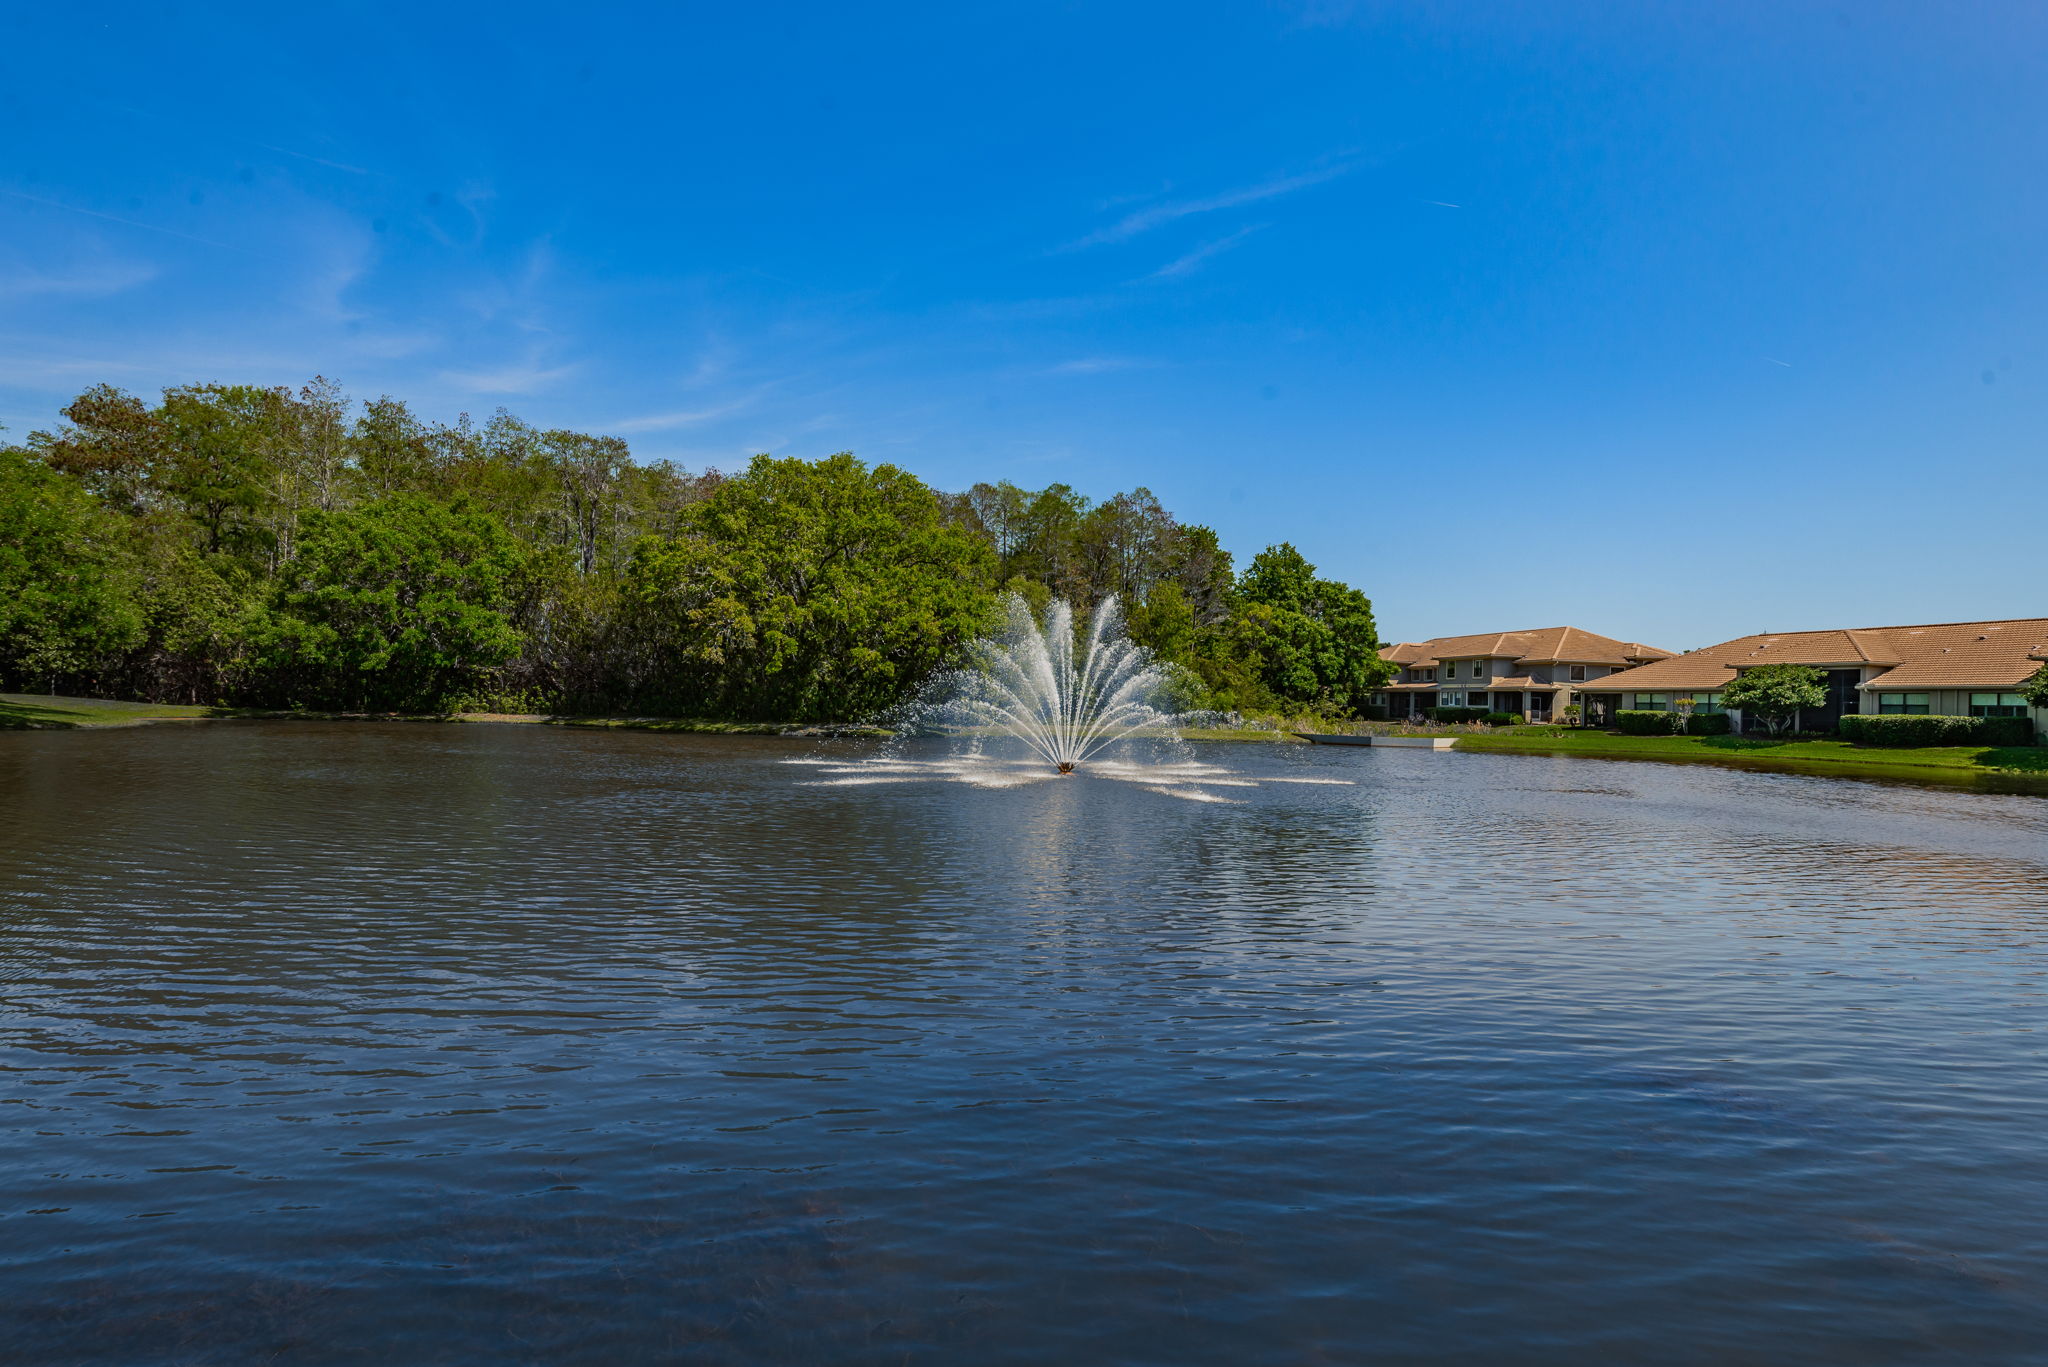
{"type": "Point", "coordinates": [1996, 654]}
{"type": "Point", "coordinates": [1534, 646]}
{"type": "Point", "coordinates": [1514, 683]}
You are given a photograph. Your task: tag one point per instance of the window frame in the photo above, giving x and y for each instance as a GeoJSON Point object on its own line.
{"type": "Point", "coordinates": [2003, 704]}
{"type": "Point", "coordinates": [1905, 706]}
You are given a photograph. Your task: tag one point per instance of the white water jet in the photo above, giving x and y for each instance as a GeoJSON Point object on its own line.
{"type": "Point", "coordinates": [1066, 700]}
{"type": "Point", "coordinates": [1062, 700]}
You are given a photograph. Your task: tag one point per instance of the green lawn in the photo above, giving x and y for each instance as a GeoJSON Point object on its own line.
{"type": "Point", "coordinates": [34, 711]}
{"type": "Point", "coordinates": [1976, 759]}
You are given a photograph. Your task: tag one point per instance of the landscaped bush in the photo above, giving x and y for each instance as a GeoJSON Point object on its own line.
{"type": "Point", "coordinates": [1646, 723]}
{"type": "Point", "coordinates": [1372, 712]}
{"type": "Point", "coordinates": [1456, 713]}
{"type": "Point", "coordinates": [2008, 731]}
{"type": "Point", "coordinates": [1500, 719]}
{"type": "Point", "coordinates": [1908, 732]}
{"type": "Point", "coordinates": [1708, 724]}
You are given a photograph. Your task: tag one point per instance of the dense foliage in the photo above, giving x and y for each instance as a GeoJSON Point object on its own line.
{"type": "Point", "coordinates": [233, 544]}
{"type": "Point", "coordinates": [1775, 694]}
{"type": "Point", "coordinates": [1899, 732]}
{"type": "Point", "coordinates": [2035, 688]}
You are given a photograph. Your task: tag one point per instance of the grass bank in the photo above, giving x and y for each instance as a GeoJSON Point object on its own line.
{"type": "Point", "coordinates": [1958, 759]}
{"type": "Point", "coordinates": [36, 712]}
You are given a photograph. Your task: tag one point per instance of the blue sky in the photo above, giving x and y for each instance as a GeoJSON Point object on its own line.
{"type": "Point", "coordinates": [1670, 321]}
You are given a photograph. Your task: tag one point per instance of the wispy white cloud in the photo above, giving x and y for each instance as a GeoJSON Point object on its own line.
{"type": "Point", "coordinates": [1158, 215]}
{"type": "Point", "coordinates": [528, 377]}
{"type": "Point", "coordinates": [110, 218]}
{"type": "Point", "coordinates": [338, 256]}
{"type": "Point", "coordinates": [1096, 365]}
{"type": "Point", "coordinates": [688, 417]}
{"type": "Point", "coordinates": [1192, 261]}
{"type": "Point", "coordinates": [94, 281]}
{"type": "Point", "coordinates": [308, 156]}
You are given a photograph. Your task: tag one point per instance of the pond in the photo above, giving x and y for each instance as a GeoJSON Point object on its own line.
{"type": "Point", "coordinates": [336, 1043]}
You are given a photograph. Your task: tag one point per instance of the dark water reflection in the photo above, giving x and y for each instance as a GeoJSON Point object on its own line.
{"type": "Point", "coordinates": [495, 1044]}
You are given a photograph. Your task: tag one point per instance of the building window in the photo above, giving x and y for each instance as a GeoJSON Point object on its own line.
{"type": "Point", "coordinates": [1429, 676]}
{"type": "Point", "coordinates": [1479, 669]}
{"type": "Point", "coordinates": [1653, 702]}
{"type": "Point", "coordinates": [1902, 704]}
{"type": "Point", "coordinates": [1578, 671]}
{"type": "Point", "coordinates": [1452, 700]}
{"type": "Point", "coordinates": [1997, 705]}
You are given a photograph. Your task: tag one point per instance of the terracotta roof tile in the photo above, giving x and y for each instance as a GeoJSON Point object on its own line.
{"type": "Point", "coordinates": [1996, 654]}
{"type": "Point", "coordinates": [1538, 645]}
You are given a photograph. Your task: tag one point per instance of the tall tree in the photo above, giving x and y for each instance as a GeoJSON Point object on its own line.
{"type": "Point", "coordinates": [66, 587]}
{"type": "Point", "coordinates": [113, 446]}
{"type": "Point", "coordinates": [399, 603]}
{"type": "Point", "coordinates": [1306, 639]}
{"type": "Point", "coordinates": [813, 590]}
{"type": "Point", "coordinates": [220, 461]}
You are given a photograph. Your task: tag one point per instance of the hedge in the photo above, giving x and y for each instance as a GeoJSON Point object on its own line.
{"type": "Point", "coordinates": [1456, 713]}
{"type": "Point", "coordinates": [1501, 718]}
{"type": "Point", "coordinates": [1901, 732]}
{"type": "Point", "coordinates": [1372, 712]}
{"type": "Point", "coordinates": [2008, 731]}
{"type": "Point", "coordinates": [1709, 724]}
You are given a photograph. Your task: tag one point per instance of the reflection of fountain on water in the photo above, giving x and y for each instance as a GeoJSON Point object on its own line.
{"type": "Point", "coordinates": [1032, 689]}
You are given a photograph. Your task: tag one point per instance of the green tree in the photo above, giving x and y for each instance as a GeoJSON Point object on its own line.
{"type": "Point", "coordinates": [399, 603]}
{"type": "Point", "coordinates": [812, 591]}
{"type": "Point", "coordinates": [2035, 689]}
{"type": "Point", "coordinates": [1776, 694]}
{"type": "Point", "coordinates": [1306, 639]}
{"type": "Point", "coordinates": [66, 584]}
{"type": "Point", "coordinates": [113, 445]}
{"type": "Point", "coordinates": [220, 458]}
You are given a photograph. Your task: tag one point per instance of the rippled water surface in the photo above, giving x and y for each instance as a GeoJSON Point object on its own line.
{"type": "Point", "coordinates": [486, 1044]}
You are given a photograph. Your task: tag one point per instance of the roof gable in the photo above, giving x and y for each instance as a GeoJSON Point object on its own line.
{"type": "Point", "coordinates": [1536, 645]}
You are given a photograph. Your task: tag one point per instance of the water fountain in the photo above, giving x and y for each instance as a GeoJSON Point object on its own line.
{"type": "Point", "coordinates": [1064, 703]}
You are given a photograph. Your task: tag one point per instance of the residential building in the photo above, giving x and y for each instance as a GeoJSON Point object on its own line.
{"type": "Point", "coordinates": [1960, 669]}
{"type": "Point", "coordinates": [1533, 673]}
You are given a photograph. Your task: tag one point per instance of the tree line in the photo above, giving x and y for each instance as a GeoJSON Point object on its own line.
{"type": "Point", "coordinates": [240, 545]}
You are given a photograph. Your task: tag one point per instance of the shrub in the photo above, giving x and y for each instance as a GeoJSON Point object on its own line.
{"type": "Point", "coordinates": [1776, 694]}
{"type": "Point", "coordinates": [2007, 731]}
{"type": "Point", "coordinates": [1500, 719]}
{"type": "Point", "coordinates": [1372, 712]}
{"type": "Point", "coordinates": [1646, 723]}
{"type": "Point", "coordinates": [1897, 732]}
{"type": "Point", "coordinates": [1708, 724]}
{"type": "Point", "coordinates": [1456, 713]}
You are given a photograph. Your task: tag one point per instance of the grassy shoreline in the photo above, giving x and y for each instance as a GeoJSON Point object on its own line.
{"type": "Point", "coordinates": [1956, 760]}
{"type": "Point", "coordinates": [35, 712]}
